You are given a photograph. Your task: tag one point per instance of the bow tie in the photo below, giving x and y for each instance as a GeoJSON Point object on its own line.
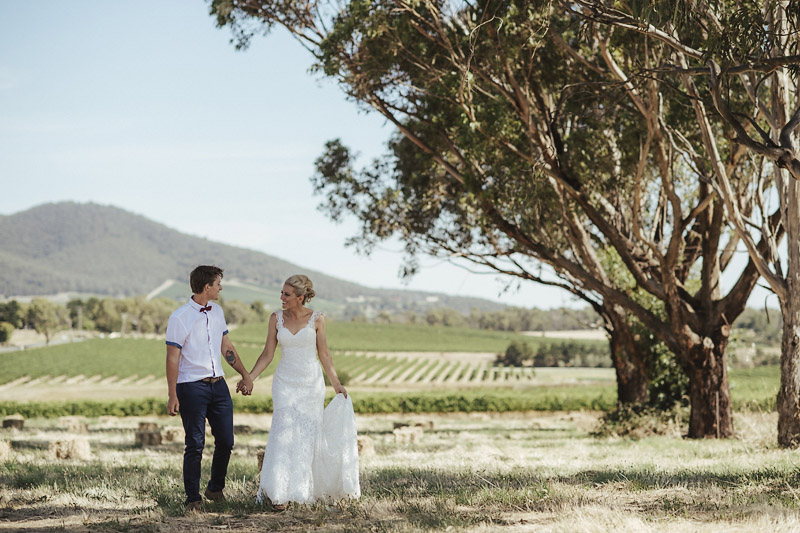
{"type": "Point", "coordinates": [206, 308]}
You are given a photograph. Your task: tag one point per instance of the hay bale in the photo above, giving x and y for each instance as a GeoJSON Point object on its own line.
{"type": "Point", "coordinates": [5, 450]}
{"type": "Point", "coordinates": [14, 422]}
{"type": "Point", "coordinates": [74, 424]}
{"type": "Point", "coordinates": [77, 448]}
{"type": "Point", "coordinates": [407, 435]}
{"type": "Point", "coordinates": [365, 446]}
{"type": "Point", "coordinates": [426, 425]}
{"type": "Point", "coordinates": [260, 456]}
{"type": "Point", "coordinates": [398, 425]}
{"type": "Point", "coordinates": [148, 426]}
{"type": "Point", "coordinates": [148, 438]}
{"type": "Point", "coordinates": [242, 430]}
{"type": "Point", "coordinates": [172, 434]}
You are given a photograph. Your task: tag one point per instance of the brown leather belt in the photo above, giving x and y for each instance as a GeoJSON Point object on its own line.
{"type": "Point", "coordinates": [211, 380]}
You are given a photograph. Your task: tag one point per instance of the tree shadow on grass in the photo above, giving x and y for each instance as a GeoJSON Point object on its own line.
{"type": "Point", "coordinates": [426, 497]}
{"type": "Point", "coordinates": [748, 490]}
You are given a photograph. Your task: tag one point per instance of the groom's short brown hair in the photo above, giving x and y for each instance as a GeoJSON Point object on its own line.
{"type": "Point", "coordinates": [202, 276]}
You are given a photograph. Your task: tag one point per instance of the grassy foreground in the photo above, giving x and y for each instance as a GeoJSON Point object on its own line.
{"type": "Point", "coordinates": [471, 472]}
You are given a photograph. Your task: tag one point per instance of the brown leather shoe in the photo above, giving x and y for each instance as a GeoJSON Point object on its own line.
{"type": "Point", "coordinates": [195, 507]}
{"type": "Point", "coordinates": [214, 496]}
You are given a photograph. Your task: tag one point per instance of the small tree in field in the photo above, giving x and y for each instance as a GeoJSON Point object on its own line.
{"type": "Point", "coordinates": [517, 354]}
{"type": "Point", "coordinates": [6, 330]}
{"type": "Point", "coordinates": [46, 317]}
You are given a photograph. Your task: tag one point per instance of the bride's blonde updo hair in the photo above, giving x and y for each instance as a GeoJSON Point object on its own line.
{"type": "Point", "coordinates": [302, 287]}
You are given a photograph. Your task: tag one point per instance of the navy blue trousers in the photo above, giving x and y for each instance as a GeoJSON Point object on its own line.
{"type": "Point", "coordinates": [199, 401]}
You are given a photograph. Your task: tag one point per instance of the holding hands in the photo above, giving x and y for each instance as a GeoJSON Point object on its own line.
{"type": "Point", "coordinates": [245, 385]}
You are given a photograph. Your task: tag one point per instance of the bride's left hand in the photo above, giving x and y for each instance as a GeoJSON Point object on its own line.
{"type": "Point", "coordinates": [340, 390]}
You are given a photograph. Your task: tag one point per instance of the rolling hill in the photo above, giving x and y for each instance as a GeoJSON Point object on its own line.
{"type": "Point", "coordinates": [86, 248]}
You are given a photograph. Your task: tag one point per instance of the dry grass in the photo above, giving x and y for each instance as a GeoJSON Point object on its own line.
{"type": "Point", "coordinates": [471, 472]}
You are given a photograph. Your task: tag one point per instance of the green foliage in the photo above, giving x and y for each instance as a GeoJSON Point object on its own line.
{"type": "Point", "coordinates": [106, 314]}
{"type": "Point", "coordinates": [11, 312]}
{"type": "Point", "coordinates": [759, 325]}
{"type": "Point", "coordinates": [6, 330]}
{"type": "Point", "coordinates": [45, 317]}
{"type": "Point", "coordinates": [237, 312]}
{"type": "Point", "coordinates": [129, 407]}
{"type": "Point", "coordinates": [667, 382]}
{"type": "Point", "coordinates": [668, 385]}
{"type": "Point", "coordinates": [637, 421]}
{"type": "Point", "coordinates": [522, 319]}
{"type": "Point", "coordinates": [573, 353]}
{"type": "Point", "coordinates": [445, 317]}
{"type": "Point", "coordinates": [517, 354]}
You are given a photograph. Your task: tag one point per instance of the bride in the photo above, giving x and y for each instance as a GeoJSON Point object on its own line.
{"type": "Point", "coordinates": [309, 455]}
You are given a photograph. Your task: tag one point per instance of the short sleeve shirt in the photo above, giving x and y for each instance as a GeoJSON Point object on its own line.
{"type": "Point", "coordinates": [198, 334]}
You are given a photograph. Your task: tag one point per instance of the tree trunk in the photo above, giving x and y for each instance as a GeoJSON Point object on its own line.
{"type": "Point", "coordinates": [709, 388]}
{"type": "Point", "coordinates": [789, 394]}
{"type": "Point", "coordinates": [629, 365]}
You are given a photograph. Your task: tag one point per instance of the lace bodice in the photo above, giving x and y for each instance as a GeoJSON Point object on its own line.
{"type": "Point", "coordinates": [296, 336]}
{"type": "Point", "coordinates": [298, 350]}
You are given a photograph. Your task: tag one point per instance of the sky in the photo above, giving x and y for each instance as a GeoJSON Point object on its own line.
{"type": "Point", "coordinates": [148, 107]}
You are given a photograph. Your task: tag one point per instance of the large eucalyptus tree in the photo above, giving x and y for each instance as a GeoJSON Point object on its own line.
{"type": "Point", "coordinates": [523, 142]}
{"type": "Point", "coordinates": [736, 64]}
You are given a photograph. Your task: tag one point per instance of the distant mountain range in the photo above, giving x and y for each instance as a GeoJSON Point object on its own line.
{"type": "Point", "coordinates": [86, 248]}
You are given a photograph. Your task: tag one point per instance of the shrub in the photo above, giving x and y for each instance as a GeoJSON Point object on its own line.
{"type": "Point", "coordinates": [6, 330]}
{"type": "Point", "coordinates": [642, 420]}
{"type": "Point", "coordinates": [516, 354]}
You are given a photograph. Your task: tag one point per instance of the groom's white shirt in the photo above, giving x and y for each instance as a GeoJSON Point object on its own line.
{"type": "Point", "coordinates": [198, 334]}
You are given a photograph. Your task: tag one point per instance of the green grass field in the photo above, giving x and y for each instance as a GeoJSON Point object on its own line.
{"type": "Point", "coordinates": [755, 388]}
{"type": "Point", "coordinates": [122, 358]}
{"type": "Point", "coordinates": [358, 336]}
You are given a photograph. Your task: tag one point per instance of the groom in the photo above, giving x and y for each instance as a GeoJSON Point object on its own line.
{"type": "Point", "coordinates": [197, 335]}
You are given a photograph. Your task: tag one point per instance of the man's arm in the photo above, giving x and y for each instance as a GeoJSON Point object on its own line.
{"type": "Point", "coordinates": [232, 357]}
{"type": "Point", "coordinates": [173, 357]}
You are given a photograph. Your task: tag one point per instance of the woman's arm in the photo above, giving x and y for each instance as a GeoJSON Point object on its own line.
{"type": "Point", "coordinates": [325, 358]}
{"type": "Point", "coordinates": [268, 353]}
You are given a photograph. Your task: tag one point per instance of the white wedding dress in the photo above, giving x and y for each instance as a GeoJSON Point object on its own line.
{"type": "Point", "coordinates": [310, 454]}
